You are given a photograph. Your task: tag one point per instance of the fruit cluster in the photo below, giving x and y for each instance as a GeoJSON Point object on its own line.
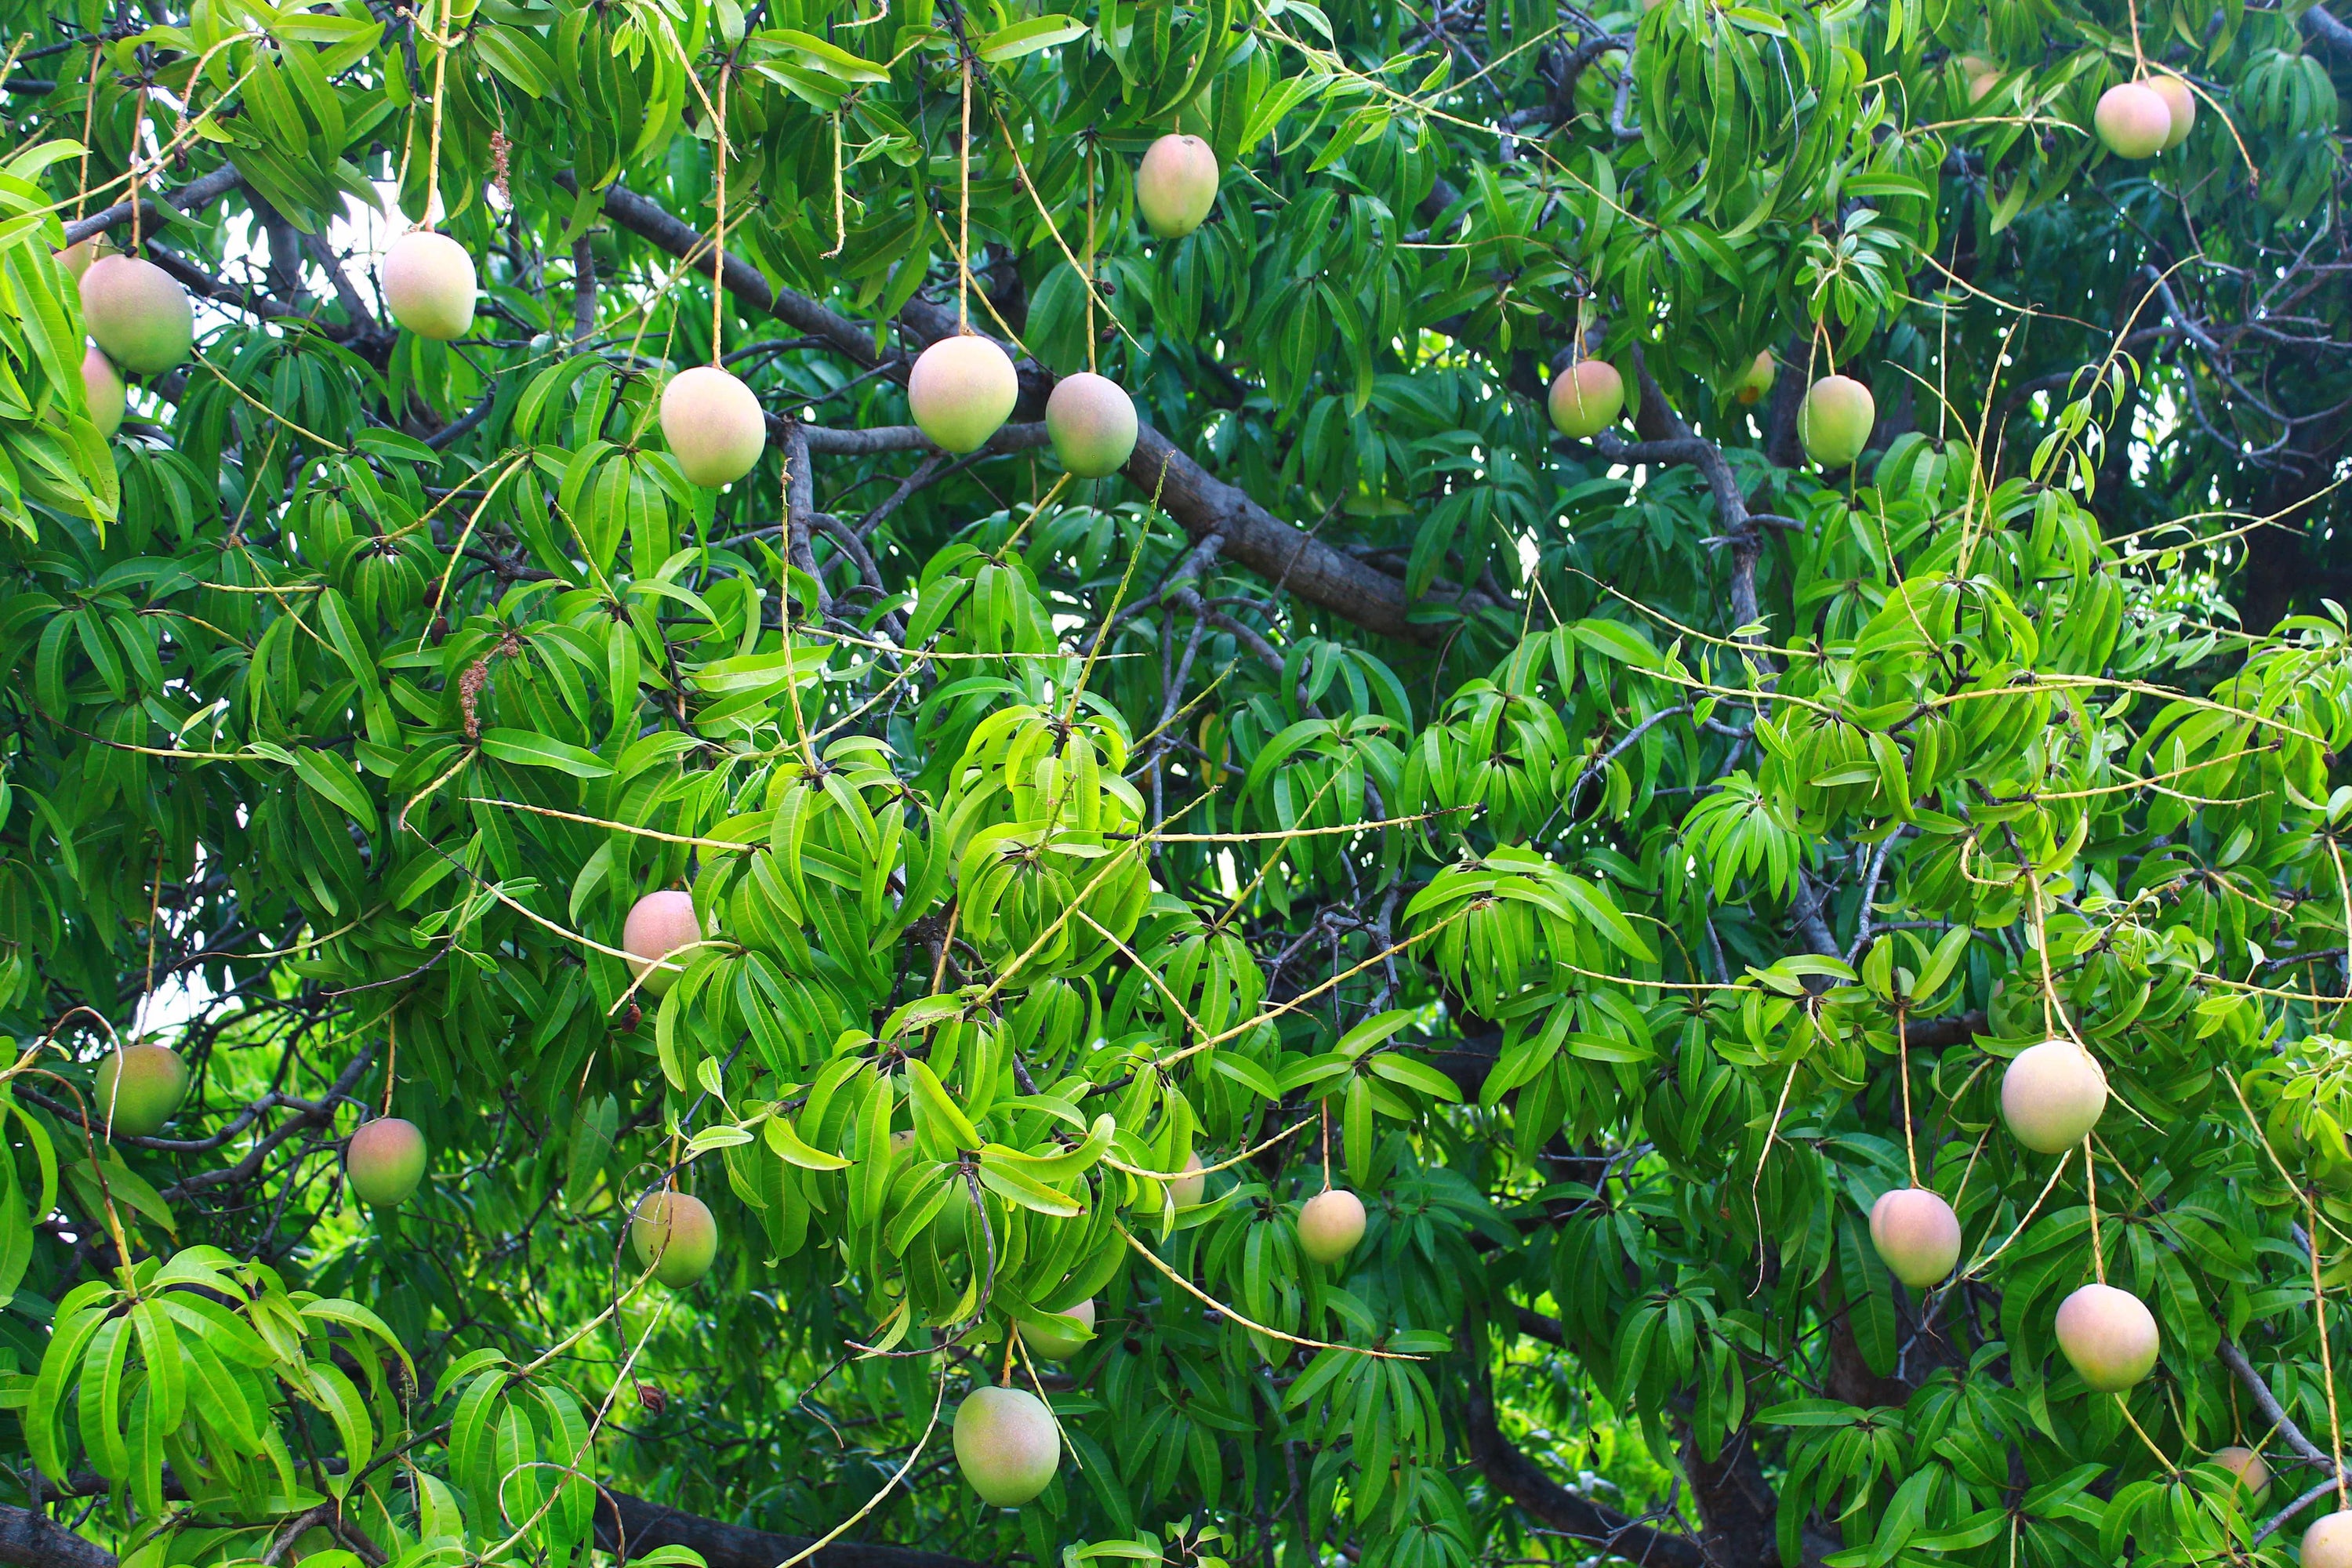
{"type": "Point", "coordinates": [1007, 1441]}
{"type": "Point", "coordinates": [2051, 1097]}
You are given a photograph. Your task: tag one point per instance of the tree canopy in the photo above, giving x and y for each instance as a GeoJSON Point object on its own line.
{"type": "Point", "coordinates": [1632, 847]}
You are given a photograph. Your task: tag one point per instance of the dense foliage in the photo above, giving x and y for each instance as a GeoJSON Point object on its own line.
{"type": "Point", "coordinates": [1617, 862]}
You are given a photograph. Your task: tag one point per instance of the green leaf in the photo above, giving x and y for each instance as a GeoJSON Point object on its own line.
{"type": "Point", "coordinates": [1010, 1182]}
{"type": "Point", "coordinates": [530, 751]}
{"type": "Point", "coordinates": [593, 1128]}
{"type": "Point", "coordinates": [516, 56]}
{"type": "Point", "coordinates": [159, 1349]}
{"type": "Point", "coordinates": [1373, 1031]}
{"type": "Point", "coordinates": [830, 59]}
{"type": "Point", "coordinates": [334, 1395]}
{"type": "Point", "coordinates": [1063, 1164]}
{"type": "Point", "coordinates": [334, 777]}
{"type": "Point", "coordinates": [1810, 1413]}
{"type": "Point", "coordinates": [351, 1315]}
{"type": "Point", "coordinates": [931, 1098]}
{"type": "Point", "coordinates": [1616, 640]}
{"type": "Point", "coordinates": [785, 1140]}
{"type": "Point", "coordinates": [465, 1367]}
{"type": "Point", "coordinates": [1941, 963]}
{"type": "Point", "coordinates": [1415, 1075]}
{"type": "Point", "coordinates": [1028, 38]}
{"type": "Point", "coordinates": [1243, 1070]}
{"type": "Point", "coordinates": [473, 1444]}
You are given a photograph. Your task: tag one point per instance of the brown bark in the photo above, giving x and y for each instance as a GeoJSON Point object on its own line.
{"type": "Point", "coordinates": [189, 198]}
{"type": "Point", "coordinates": [1736, 1504]}
{"type": "Point", "coordinates": [1849, 1377]}
{"type": "Point", "coordinates": [2321, 27]}
{"type": "Point", "coordinates": [1548, 1502]}
{"type": "Point", "coordinates": [30, 1539]}
{"type": "Point", "coordinates": [2281, 574]}
{"type": "Point", "coordinates": [645, 1525]}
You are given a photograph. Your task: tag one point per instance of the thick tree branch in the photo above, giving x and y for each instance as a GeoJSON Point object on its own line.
{"type": "Point", "coordinates": [1667, 437]}
{"type": "Point", "coordinates": [1728, 497]}
{"type": "Point", "coordinates": [1735, 1503]}
{"type": "Point", "coordinates": [362, 320]}
{"type": "Point", "coordinates": [189, 198]}
{"type": "Point", "coordinates": [583, 291]}
{"type": "Point", "coordinates": [1536, 1326]}
{"type": "Point", "coordinates": [1807, 910]}
{"type": "Point", "coordinates": [829, 441]}
{"type": "Point", "coordinates": [800, 511]}
{"type": "Point", "coordinates": [1204, 504]}
{"type": "Point", "coordinates": [1941, 1034]}
{"type": "Point", "coordinates": [203, 284]}
{"type": "Point", "coordinates": [1562, 105]}
{"type": "Point", "coordinates": [1200, 501]}
{"type": "Point", "coordinates": [30, 1539]}
{"type": "Point", "coordinates": [2272, 1410]}
{"type": "Point", "coordinates": [2323, 28]}
{"type": "Point", "coordinates": [1848, 1373]}
{"type": "Point", "coordinates": [643, 1526]}
{"type": "Point", "coordinates": [322, 1114]}
{"type": "Point", "coordinates": [362, 328]}
{"type": "Point", "coordinates": [648, 220]}
{"type": "Point", "coordinates": [1782, 447]}
{"type": "Point", "coordinates": [1521, 1479]}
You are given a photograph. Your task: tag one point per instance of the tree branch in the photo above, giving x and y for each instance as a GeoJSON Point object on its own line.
{"type": "Point", "coordinates": [2272, 1410]}
{"type": "Point", "coordinates": [1191, 602]}
{"type": "Point", "coordinates": [1667, 437]}
{"type": "Point", "coordinates": [30, 1539]}
{"type": "Point", "coordinates": [362, 320]}
{"type": "Point", "coordinates": [1511, 1472]}
{"type": "Point", "coordinates": [1781, 447]}
{"type": "Point", "coordinates": [323, 1114]}
{"type": "Point", "coordinates": [1562, 105]}
{"type": "Point", "coordinates": [831, 442]}
{"type": "Point", "coordinates": [1204, 504]}
{"type": "Point", "coordinates": [583, 291]}
{"type": "Point", "coordinates": [644, 1525]}
{"type": "Point", "coordinates": [1807, 911]}
{"type": "Point", "coordinates": [1200, 503]}
{"type": "Point", "coordinates": [451, 433]}
{"type": "Point", "coordinates": [2322, 28]}
{"type": "Point", "coordinates": [1940, 1034]}
{"type": "Point", "coordinates": [188, 199]}
{"type": "Point", "coordinates": [1194, 562]}
{"type": "Point", "coordinates": [1536, 1326]}
{"type": "Point", "coordinates": [253, 301]}
{"type": "Point", "coordinates": [2215, 354]}
{"type": "Point", "coordinates": [800, 511]}
{"type": "Point", "coordinates": [1729, 501]}
{"type": "Point", "coordinates": [648, 220]}
{"type": "Point", "coordinates": [1735, 1505]}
